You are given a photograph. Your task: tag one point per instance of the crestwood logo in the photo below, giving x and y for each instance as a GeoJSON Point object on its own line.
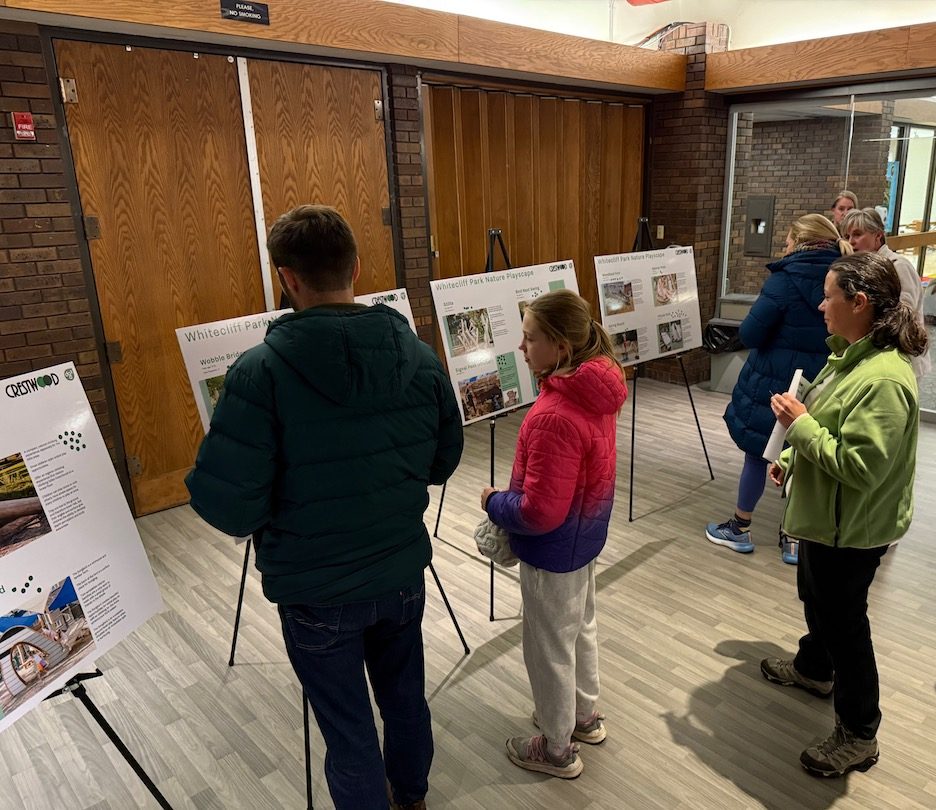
{"type": "Point", "coordinates": [23, 387]}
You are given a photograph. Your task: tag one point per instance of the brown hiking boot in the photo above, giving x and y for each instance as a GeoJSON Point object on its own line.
{"type": "Point", "coordinates": [840, 753]}
{"type": "Point", "coordinates": [781, 671]}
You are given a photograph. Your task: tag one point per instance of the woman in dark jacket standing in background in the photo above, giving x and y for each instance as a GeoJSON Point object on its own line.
{"type": "Point", "coordinates": [784, 331]}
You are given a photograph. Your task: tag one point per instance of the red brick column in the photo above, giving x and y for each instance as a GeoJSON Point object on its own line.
{"type": "Point", "coordinates": [410, 188]}
{"type": "Point", "coordinates": [45, 303]}
{"type": "Point", "coordinates": [689, 134]}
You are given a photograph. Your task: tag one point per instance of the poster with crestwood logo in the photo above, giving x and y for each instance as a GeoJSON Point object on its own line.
{"type": "Point", "coordinates": [649, 303]}
{"type": "Point", "coordinates": [74, 578]}
{"type": "Point", "coordinates": [481, 319]}
{"type": "Point", "coordinates": [209, 349]}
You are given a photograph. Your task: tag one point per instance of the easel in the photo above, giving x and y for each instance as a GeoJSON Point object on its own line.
{"type": "Point", "coordinates": [644, 241]}
{"type": "Point", "coordinates": [243, 582]}
{"type": "Point", "coordinates": [305, 701]}
{"type": "Point", "coordinates": [75, 687]}
{"type": "Point", "coordinates": [495, 240]}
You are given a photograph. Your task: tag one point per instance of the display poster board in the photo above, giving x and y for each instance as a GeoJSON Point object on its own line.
{"type": "Point", "coordinates": [209, 349]}
{"type": "Point", "coordinates": [649, 303]}
{"type": "Point", "coordinates": [74, 578]}
{"type": "Point", "coordinates": [480, 318]}
{"type": "Point", "coordinates": [395, 299]}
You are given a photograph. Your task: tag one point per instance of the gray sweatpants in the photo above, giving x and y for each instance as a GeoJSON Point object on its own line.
{"type": "Point", "coordinates": [560, 647]}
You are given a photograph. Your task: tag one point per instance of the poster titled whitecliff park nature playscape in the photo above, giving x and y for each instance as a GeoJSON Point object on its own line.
{"type": "Point", "coordinates": [209, 349]}
{"type": "Point", "coordinates": [74, 578]}
{"type": "Point", "coordinates": [481, 319]}
{"type": "Point", "coordinates": [650, 303]}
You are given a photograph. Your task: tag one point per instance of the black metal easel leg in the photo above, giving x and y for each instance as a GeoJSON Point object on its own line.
{"type": "Point", "coordinates": [308, 748]}
{"type": "Point", "coordinates": [240, 601]}
{"type": "Point", "coordinates": [435, 532]}
{"type": "Point", "coordinates": [633, 394]}
{"type": "Point", "coordinates": [493, 422]}
{"type": "Point", "coordinates": [448, 607]}
{"type": "Point", "coordinates": [696, 417]}
{"type": "Point", "coordinates": [78, 690]}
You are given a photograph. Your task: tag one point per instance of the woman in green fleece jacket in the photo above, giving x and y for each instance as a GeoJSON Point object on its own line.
{"type": "Point", "coordinates": [849, 478]}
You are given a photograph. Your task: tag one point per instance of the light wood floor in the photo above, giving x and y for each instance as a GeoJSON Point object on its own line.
{"type": "Point", "coordinates": [683, 625]}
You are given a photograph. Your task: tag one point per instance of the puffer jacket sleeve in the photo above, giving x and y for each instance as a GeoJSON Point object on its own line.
{"type": "Point", "coordinates": [232, 481]}
{"type": "Point", "coordinates": [451, 440]}
{"type": "Point", "coordinates": [554, 455]}
{"type": "Point", "coordinates": [766, 315]}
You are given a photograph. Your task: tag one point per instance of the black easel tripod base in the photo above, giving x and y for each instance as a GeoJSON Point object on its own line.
{"type": "Point", "coordinates": [76, 688]}
{"type": "Point", "coordinates": [633, 392]}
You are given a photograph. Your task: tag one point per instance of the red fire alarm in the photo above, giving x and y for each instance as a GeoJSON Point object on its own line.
{"type": "Point", "coordinates": [24, 129]}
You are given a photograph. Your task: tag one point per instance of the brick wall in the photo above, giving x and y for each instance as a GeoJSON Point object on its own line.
{"type": "Point", "coordinates": [801, 163]}
{"type": "Point", "coordinates": [45, 308]}
{"type": "Point", "coordinates": [687, 173]}
{"type": "Point", "coordinates": [409, 185]}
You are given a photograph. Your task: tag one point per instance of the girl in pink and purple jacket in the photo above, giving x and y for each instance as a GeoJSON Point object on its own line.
{"type": "Point", "coordinates": [557, 512]}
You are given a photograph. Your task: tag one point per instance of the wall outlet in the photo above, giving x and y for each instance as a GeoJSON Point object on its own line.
{"type": "Point", "coordinates": [659, 231]}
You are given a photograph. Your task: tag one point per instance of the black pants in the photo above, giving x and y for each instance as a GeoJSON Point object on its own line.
{"type": "Point", "coordinates": [833, 586]}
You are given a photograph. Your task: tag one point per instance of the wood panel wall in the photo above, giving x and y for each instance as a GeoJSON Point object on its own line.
{"type": "Point", "coordinates": [898, 51]}
{"type": "Point", "coordinates": [368, 28]}
{"type": "Point", "coordinates": [319, 141]}
{"type": "Point", "coordinates": [159, 151]}
{"type": "Point", "coordinates": [561, 177]}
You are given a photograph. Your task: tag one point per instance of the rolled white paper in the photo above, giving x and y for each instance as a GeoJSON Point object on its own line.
{"type": "Point", "coordinates": [777, 435]}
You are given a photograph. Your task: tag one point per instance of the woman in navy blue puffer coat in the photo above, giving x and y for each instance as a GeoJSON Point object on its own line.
{"type": "Point", "coordinates": [784, 331]}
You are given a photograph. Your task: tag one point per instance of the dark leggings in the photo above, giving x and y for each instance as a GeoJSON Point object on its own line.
{"type": "Point", "coordinates": [753, 480]}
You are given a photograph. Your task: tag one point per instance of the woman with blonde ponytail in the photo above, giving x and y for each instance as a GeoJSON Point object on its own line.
{"type": "Point", "coordinates": [784, 331]}
{"type": "Point", "coordinates": [557, 511]}
{"type": "Point", "coordinates": [849, 473]}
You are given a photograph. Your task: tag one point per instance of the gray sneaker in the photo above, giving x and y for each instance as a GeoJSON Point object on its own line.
{"type": "Point", "coordinates": [840, 753]}
{"type": "Point", "coordinates": [781, 671]}
{"type": "Point", "coordinates": [592, 731]}
{"type": "Point", "coordinates": [531, 754]}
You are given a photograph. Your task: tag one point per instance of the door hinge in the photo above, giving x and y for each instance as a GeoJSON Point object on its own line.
{"type": "Point", "coordinates": [385, 216]}
{"type": "Point", "coordinates": [378, 109]}
{"type": "Point", "coordinates": [69, 90]}
{"type": "Point", "coordinates": [134, 467]}
{"type": "Point", "coordinates": [92, 227]}
{"type": "Point", "coordinates": [114, 351]}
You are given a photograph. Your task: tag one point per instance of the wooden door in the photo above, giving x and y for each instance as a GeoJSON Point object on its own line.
{"type": "Point", "coordinates": [158, 143]}
{"type": "Point", "coordinates": [561, 177]}
{"type": "Point", "coordinates": [320, 141]}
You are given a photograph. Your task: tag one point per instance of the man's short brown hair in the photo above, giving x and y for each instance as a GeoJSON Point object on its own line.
{"type": "Point", "coordinates": [315, 242]}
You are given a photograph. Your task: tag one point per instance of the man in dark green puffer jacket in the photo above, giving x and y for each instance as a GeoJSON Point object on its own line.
{"type": "Point", "coordinates": [324, 442]}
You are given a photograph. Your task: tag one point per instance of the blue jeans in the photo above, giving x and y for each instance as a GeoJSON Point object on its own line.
{"type": "Point", "coordinates": [329, 647]}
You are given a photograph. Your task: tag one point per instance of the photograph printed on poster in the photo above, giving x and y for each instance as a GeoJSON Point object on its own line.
{"type": "Point", "coordinates": [665, 289]}
{"type": "Point", "coordinates": [46, 635]}
{"type": "Point", "coordinates": [469, 332]}
{"type": "Point", "coordinates": [481, 395]}
{"type": "Point", "coordinates": [22, 518]}
{"type": "Point", "coordinates": [670, 335]}
{"type": "Point", "coordinates": [210, 390]}
{"type": "Point", "coordinates": [618, 297]}
{"type": "Point", "coordinates": [625, 346]}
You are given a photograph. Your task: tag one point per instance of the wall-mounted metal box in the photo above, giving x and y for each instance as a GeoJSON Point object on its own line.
{"type": "Point", "coordinates": [758, 231]}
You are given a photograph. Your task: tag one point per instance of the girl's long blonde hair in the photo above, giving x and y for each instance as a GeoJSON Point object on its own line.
{"type": "Point", "coordinates": [564, 317]}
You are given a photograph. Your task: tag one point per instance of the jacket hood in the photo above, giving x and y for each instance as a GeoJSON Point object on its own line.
{"type": "Point", "coordinates": [349, 353]}
{"type": "Point", "coordinates": [596, 386]}
{"type": "Point", "coordinates": [806, 268]}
